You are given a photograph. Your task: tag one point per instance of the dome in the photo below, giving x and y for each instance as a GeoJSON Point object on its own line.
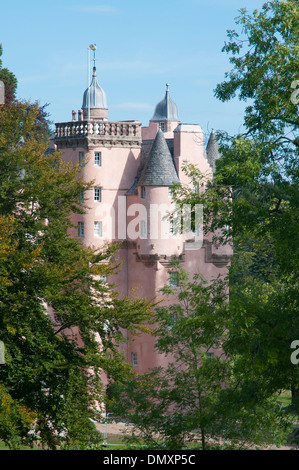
{"type": "Point", "coordinates": [94, 96]}
{"type": "Point", "coordinates": [166, 110]}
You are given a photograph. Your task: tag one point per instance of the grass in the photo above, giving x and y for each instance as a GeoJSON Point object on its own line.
{"type": "Point", "coordinates": [3, 446]}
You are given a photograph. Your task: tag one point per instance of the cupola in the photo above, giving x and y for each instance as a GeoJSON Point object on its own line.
{"type": "Point", "coordinates": [166, 111]}
{"type": "Point", "coordinates": [94, 101]}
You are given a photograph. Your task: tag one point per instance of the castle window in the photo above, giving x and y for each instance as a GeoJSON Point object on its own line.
{"type": "Point", "coordinates": [142, 192]}
{"type": "Point", "coordinates": [162, 126]}
{"type": "Point", "coordinates": [173, 279]}
{"type": "Point", "coordinates": [171, 227]}
{"type": "Point", "coordinates": [142, 229]}
{"type": "Point", "coordinates": [97, 229]}
{"type": "Point", "coordinates": [210, 355]}
{"type": "Point", "coordinates": [98, 159]}
{"type": "Point", "coordinates": [97, 194]}
{"type": "Point", "coordinates": [195, 188]}
{"type": "Point", "coordinates": [81, 197]}
{"type": "Point", "coordinates": [80, 229]}
{"type": "Point", "coordinates": [134, 360]}
{"type": "Point", "coordinates": [81, 159]}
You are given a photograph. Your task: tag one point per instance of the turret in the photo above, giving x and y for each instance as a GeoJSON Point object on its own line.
{"type": "Point", "coordinates": [157, 238]}
{"type": "Point", "coordinates": [212, 150]}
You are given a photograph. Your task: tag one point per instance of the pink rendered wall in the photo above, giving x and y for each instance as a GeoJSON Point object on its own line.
{"type": "Point", "coordinates": [115, 176]}
{"type": "Point", "coordinates": [149, 132]}
{"type": "Point", "coordinates": [188, 145]}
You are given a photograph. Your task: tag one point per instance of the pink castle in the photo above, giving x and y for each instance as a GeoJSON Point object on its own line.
{"type": "Point", "coordinates": [134, 168]}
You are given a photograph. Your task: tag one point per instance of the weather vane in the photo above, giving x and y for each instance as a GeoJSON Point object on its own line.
{"type": "Point", "coordinates": [93, 47]}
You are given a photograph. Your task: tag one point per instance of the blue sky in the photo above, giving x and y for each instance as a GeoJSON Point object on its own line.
{"type": "Point", "coordinates": [140, 47]}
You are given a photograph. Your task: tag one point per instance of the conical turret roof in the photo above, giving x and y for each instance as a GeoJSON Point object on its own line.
{"type": "Point", "coordinates": [160, 169]}
{"type": "Point", "coordinates": [212, 150]}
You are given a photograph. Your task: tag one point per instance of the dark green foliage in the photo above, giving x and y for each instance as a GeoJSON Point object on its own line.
{"type": "Point", "coordinates": [54, 309]}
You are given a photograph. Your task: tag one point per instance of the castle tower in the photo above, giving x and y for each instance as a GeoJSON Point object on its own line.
{"type": "Point", "coordinates": [154, 187]}
{"type": "Point", "coordinates": [108, 152]}
{"type": "Point", "coordinates": [133, 169]}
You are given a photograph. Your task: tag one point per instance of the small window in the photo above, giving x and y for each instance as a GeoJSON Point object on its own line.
{"type": "Point", "coordinates": [172, 321]}
{"type": "Point", "coordinates": [81, 158]}
{"type": "Point", "coordinates": [81, 197]}
{"type": "Point", "coordinates": [134, 360]}
{"type": "Point", "coordinates": [173, 279]}
{"type": "Point", "coordinates": [103, 279]}
{"type": "Point", "coordinates": [98, 159]}
{"type": "Point", "coordinates": [97, 229]}
{"type": "Point", "coordinates": [143, 192]}
{"type": "Point", "coordinates": [162, 126]}
{"type": "Point", "coordinates": [170, 193]}
{"type": "Point", "coordinates": [142, 229]}
{"type": "Point", "coordinates": [195, 188]}
{"type": "Point", "coordinates": [210, 355]}
{"type": "Point", "coordinates": [97, 194]}
{"type": "Point", "coordinates": [80, 229]}
{"type": "Point", "coordinates": [175, 226]}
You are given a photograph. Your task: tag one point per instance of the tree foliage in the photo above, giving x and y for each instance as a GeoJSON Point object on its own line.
{"type": "Point", "coordinates": [197, 398]}
{"type": "Point", "coordinates": [54, 308]}
{"type": "Point", "coordinates": [253, 199]}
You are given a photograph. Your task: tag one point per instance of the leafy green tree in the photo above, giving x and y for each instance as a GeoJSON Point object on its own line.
{"type": "Point", "coordinates": [253, 198]}
{"type": "Point", "coordinates": [54, 308]}
{"type": "Point", "coordinates": [261, 167]}
{"type": "Point", "coordinates": [197, 398]}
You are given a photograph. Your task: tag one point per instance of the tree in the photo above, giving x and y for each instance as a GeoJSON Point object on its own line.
{"type": "Point", "coordinates": [196, 398]}
{"type": "Point", "coordinates": [253, 198]}
{"type": "Point", "coordinates": [171, 406]}
{"type": "Point", "coordinates": [54, 308]}
{"type": "Point", "coordinates": [261, 166]}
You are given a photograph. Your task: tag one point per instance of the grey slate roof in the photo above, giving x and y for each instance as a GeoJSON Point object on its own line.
{"type": "Point", "coordinates": [94, 96]}
{"type": "Point", "coordinates": [166, 110]}
{"type": "Point", "coordinates": [212, 150]}
{"type": "Point", "coordinates": [160, 169]}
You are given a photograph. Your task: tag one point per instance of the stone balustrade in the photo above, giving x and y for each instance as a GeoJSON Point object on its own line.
{"type": "Point", "coordinates": [94, 130]}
